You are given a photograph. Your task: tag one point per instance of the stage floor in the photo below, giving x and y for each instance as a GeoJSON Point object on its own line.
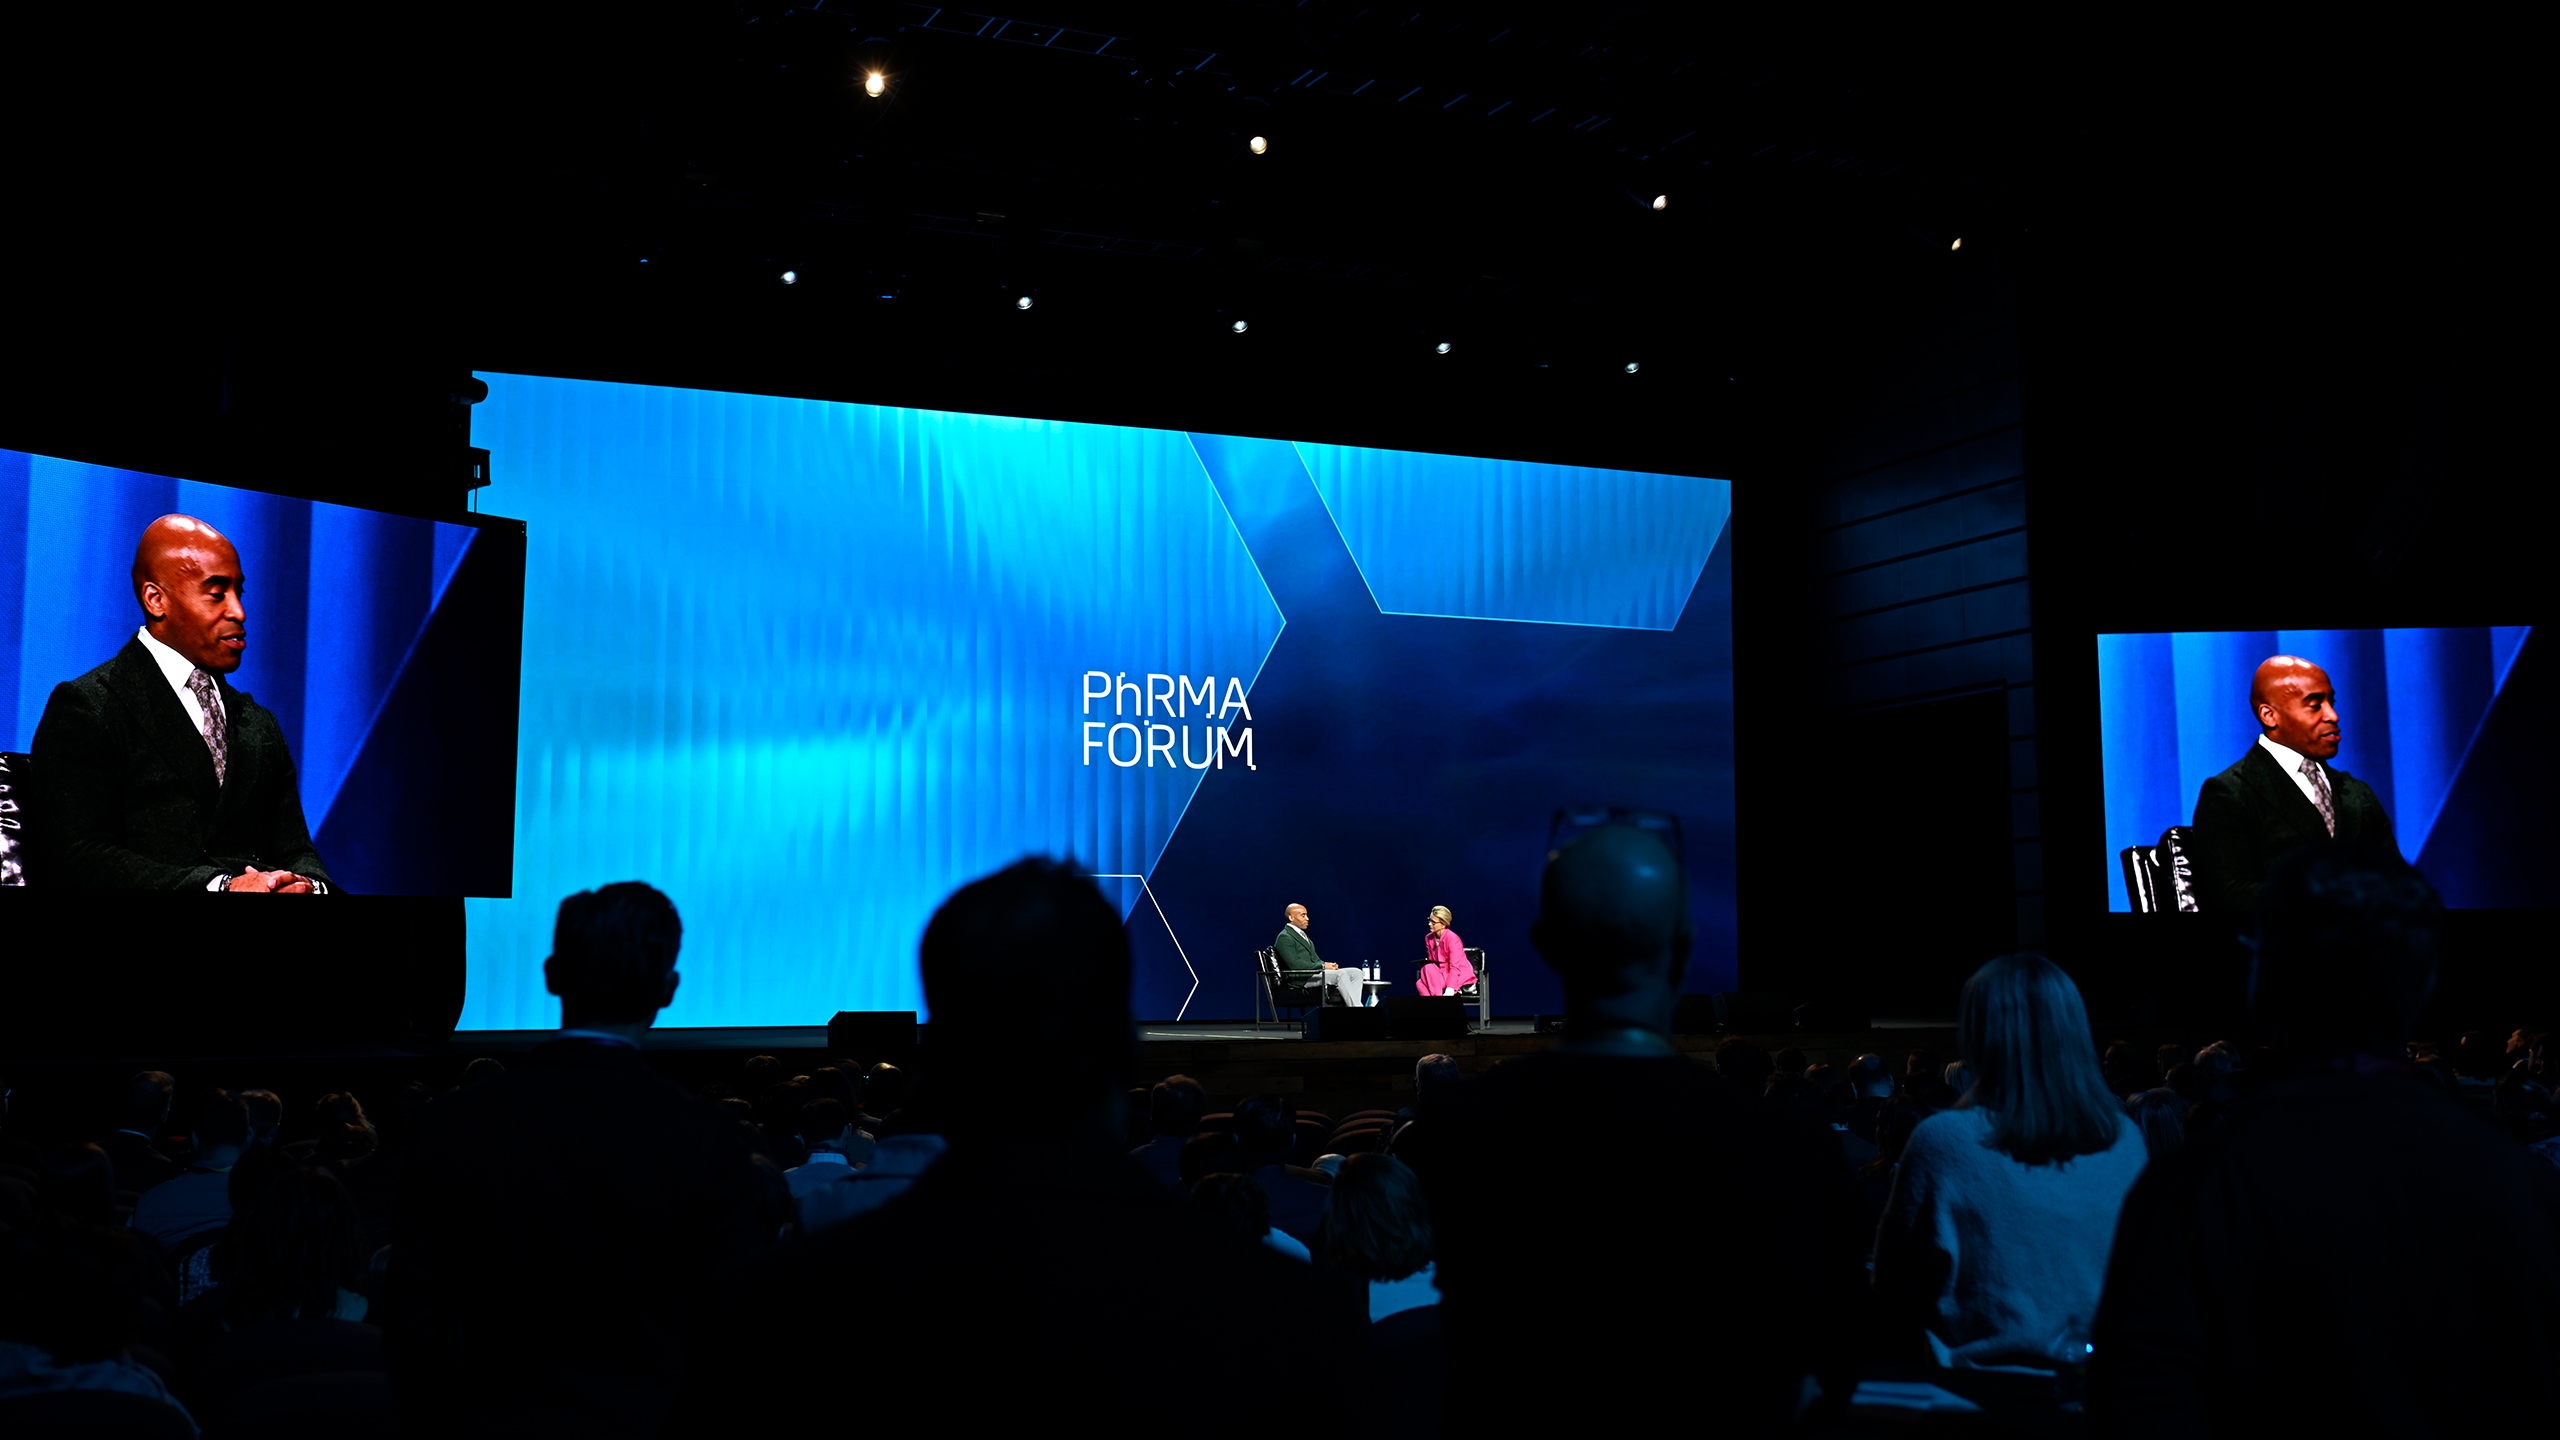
{"type": "Point", "coordinates": [780, 1038]}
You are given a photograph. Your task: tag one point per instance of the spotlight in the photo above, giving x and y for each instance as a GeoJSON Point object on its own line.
{"type": "Point", "coordinates": [1022, 304]}
{"type": "Point", "coordinates": [1631, 367]}
{"type": "Point", "coordinates": [1239, 327]}
{"type": "Point", "coordinates": [1441, 349]}
{"type": "Point", "coordinates": [875, 83]}
{"type": "Point", "coordinates": [1661, 202]}
{"type": "Point", "coordinates": [790, 277]}
{"type": "Point", "coordinates": [1257, 145]}
{"type": "Point", "coordinates": [1958, 245]}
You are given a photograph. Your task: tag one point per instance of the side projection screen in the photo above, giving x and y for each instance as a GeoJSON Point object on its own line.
{"type": "Point", "coordinates": [809, 666]}
{"type": "Point", "coordinates": [364, 664]}
{"type": "Point", "coordinates": [2425, 742]}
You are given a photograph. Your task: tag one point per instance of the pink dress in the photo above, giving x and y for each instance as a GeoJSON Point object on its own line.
{"type": "Point", "coordinates": [1444, 964]}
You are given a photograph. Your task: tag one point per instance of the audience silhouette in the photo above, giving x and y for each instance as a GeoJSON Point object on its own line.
{"type": "Point", "coordinates": [1016, 1283]}
{"type": "Point", "coordinates": [1675, 1182]}
{"type": "Point", "coordinates": [2350, 1250]}
{"type": "Point", "coordinates": [563, 1220]}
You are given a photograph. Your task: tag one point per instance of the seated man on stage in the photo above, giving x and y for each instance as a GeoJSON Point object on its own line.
{"type": "Point", "coordinates": [158, 775]}
{"type": "Point", "coordinates": [1298, 961]}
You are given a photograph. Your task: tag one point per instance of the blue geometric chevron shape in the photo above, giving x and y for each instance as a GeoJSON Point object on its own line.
{"type": "Point", "coordinates": [1460, 536]}
{"type": "Point", "coordinates": [810, 666]}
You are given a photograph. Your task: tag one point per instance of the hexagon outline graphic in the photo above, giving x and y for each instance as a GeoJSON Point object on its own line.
{"type": "Point", "coordinates": [1168, 932]}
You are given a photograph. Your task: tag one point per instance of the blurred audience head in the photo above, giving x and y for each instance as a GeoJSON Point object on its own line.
{"type": "Point", "coordinates": [761, 1073]}
{"type": "Point", "coordinates": [829, 1082]}
{"type": "Point", "coordinates": [1743, 1064]}
{"type": "Point", "coordinates": [221, 1130]}
{"type": "Point", "coordinates": [2025, 1038]}
{"type": "Point", "coordinates": [2168, 1057]}
{"type": "Point", "coordinates": [1375, 1223]}
{"type": "Point", "coordinates": [2162, 1114]}
{"type": "Point", "coordinates": [2192, 1081]}
{"type": "Point", "coordinates": [2346, 952]}
{"type": "Point", "coordinates": [884, 1089]}
{"type": "Point", "coordinates": [147, 1098]}
{"type": "Point", "coordinates": [341, 1107]}
{"type": "Point", "coordinates": [1175, 1105]}
{"type": "Point", "coordinates": [823, 1122]}
{"type": "Point", "coordinates": [481, 1070]}
{"type": "Point", "coordinates": [1868, 1080]}
{"type": "Point", "coordinates": [1236, 1202]}
{"type": "Point", "coordinates": [1822, 1082]}
{"type": "Point", "coordinates": [1265, 1126]}
{"type": "Point", "coordinates": [78, 1184]}
{"type": "Point", "coordinates": [1435, 1079]}
{"type": "Point", "coordinates": [1613, 923]}
{"type": "Point", "coordinates": [266, 1112]}
{"type": "Point", "coordinates": [1212, 1152]}
{"type": "Point", "coordinates": [1027, 971]}
{"type": "Point", "coordinates": [295, 1249]}
{"type": "Point", "coordinates": [613, 955]}
{"type": "Point", "coordinates": [1790, 1061]}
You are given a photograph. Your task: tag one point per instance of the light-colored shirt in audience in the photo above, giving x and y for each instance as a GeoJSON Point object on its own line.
{"type": "Point", "coordinates": [1394, 1297]}
{"type": "Point", "coordinates": [1289, 1245]}
{"type": "Point", "coordinates": [893, 1171]}
{"type": "Point", "coordinates": [2026, 1245]}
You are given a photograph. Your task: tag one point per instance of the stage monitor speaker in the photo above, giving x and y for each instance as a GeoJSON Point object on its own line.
{"type": "Point", "coordinates": [872, 1036]}
{"type": "Point", "coordinates": [1755, 1014]}
{"type": "Point", "coordinates": [1694, 1015]}
{"type": "Point", "coordinates": [1331, 1022]}
{"type": "Point", "coordinates": [1426, 1017]}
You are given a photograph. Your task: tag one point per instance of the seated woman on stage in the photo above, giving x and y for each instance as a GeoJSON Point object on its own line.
{"type": "Point", "coordinates": [1445, 970]}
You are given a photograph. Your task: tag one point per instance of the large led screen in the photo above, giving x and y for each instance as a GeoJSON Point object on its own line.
{"type": "Point", "coordinates": [367, 672]}
{"type": "Point", "coordinates": [2436, 752]}
{"type": "Point", "coordinates": [809, 666]}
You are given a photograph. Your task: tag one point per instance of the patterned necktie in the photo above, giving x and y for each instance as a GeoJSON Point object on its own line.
{"type": "Point", "coordinates": [2320, 796]}
{"type": "Point", "coordinates": [216, 736]}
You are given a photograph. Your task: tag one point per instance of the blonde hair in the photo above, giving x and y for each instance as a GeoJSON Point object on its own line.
{"type": "Point", "coordinates": [2025, 1038]}
{"type": "Point", "coordinates": [1441, 914]}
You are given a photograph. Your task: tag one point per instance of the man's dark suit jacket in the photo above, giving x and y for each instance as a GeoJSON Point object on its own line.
{"type": "Point", "coordinates": [1297, 955]}
{"type": "Point", "coordinates": [138, 1163]}
{"type": "Point", "coordinates": [2253, 814]}
{"type": "Point", "coordinates": [128, 796]}
{"type": "Point", "coordinates": [560, 1231]}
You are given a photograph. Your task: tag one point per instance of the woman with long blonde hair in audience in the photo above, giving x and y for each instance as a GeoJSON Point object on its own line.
{"type": "Point", "coordinates": [1994, 1239]}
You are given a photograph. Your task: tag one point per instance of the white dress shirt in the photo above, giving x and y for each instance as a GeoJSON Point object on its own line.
{"type": "Point", "coordinates": [2292, 760]}
{"type": "Point", "coordinates": [177, 668]}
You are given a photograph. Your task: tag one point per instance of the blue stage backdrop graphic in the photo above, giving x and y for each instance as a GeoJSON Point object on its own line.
{"type": "Point", "coordinates": [341, 607]}
{"type": "Point", "coordinates": [2430, 718]}
{"type": "Point", "coordinates": [809, 666]}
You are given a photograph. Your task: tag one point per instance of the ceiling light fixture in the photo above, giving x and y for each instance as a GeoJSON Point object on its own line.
{"type": "Point", "coordinates": [1257, 145]}
{"type": "Point", "coordinates": [1958, 245]}
{"type": "Point", "coordinates": [1022, 304]}
{"type": "Point", "coordinates": [790, 277]}
{"type": "Point", "coordinates": [1661, 202]}
{"type": "Point", "coordinates": [875, 83]}
{"type": "Point", "coordinates": [1442, 348]}
{"type": "Point", "coordinates": [1631, 367]}
{"type": "Point", "coordinates": [1239, 327]}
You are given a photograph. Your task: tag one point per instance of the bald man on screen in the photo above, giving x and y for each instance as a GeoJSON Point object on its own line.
{"type": "Point", "coordinates": [2284, 794]}
{"type": "Point", "coordinates": [153, 772]}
